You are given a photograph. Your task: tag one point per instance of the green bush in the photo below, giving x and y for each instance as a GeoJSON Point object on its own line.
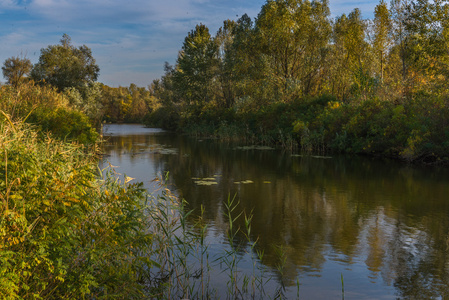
{"type": "Point", "coordinates": [65, 234]}
{"type": "Point", "coordinates": [166, 117]}
{"type": "Point", "coordinates": [65, 123]}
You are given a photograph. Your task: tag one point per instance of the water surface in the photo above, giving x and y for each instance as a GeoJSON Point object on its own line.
{"type": "Point", "coordinates": [381, 224]}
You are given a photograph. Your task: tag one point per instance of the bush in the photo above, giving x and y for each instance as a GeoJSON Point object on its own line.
{"type": "Point", "coordinates": [65, 123]}
{"type": "Point", "coordinates": [65, 234]}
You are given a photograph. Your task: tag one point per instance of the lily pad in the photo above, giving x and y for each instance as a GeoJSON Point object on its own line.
{"type": "Point", "coordinates": [205, 182]}
{"type": "Point", "coordinates": [244, 182]}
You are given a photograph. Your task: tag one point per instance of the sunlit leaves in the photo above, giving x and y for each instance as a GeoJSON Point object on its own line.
{"type": "Point", "coordinates": [65, 65]}
{"type": "Point", "coordinates": [15, 69]}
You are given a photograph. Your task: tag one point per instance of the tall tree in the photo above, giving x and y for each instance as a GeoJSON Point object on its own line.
{"type": "Point", "coordinates": [243, 60]}
{"type": "Point", "coordinates": [398, 13]}
{"type": "Point", "coordinates": [16, 68]}
{"type": "Point", "coordinates": [196, 66]}
{"type": "Point", "coordinates": [65, 65]}
{"type": "Point", "coordinates": [224, 39]}
{"type": "Point", "coordinates": [382, 35]}
{"type": "Point", "coordinates": [428, 40]}
{"type": "Point", "coordinates": [349, 54]}
{"type": "Point", "coordinates": [293, 35]}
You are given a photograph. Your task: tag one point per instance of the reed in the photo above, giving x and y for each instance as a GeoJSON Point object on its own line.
{"type": "Point", "coordinates": [69, 230]}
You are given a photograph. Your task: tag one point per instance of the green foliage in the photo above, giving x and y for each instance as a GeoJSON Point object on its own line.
{"type": "Point", "coordinates": [270, 82]}
{"type": "Point", "coordinates": [64, 66]}
{"type": "Point", "coordinates": [166, 117]}
{"type": "Point", "coordinates": [123, 104]}
{"type": "Point", "coordinates": [15, 69]}
{"type": "Point", "coordinates": [65, 123]}
{"type": "Point", "coordinates": [50, 110]}
{"type": "Point", "coordinates": [65, 234]}
{"type": "Point", "coordinates": [196, 66]}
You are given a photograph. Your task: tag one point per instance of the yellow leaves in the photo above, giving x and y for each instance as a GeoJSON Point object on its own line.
{"type": "Point", "coordinates": [128, 179]}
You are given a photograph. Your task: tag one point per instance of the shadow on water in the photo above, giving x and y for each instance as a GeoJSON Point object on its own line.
{"type": "Point", "coordinates": [382, 224]}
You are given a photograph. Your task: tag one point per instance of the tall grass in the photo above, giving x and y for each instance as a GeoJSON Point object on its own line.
{"type": "Point", "coordinates": [68, 232]}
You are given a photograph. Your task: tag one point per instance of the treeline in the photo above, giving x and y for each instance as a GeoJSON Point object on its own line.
{"type": "Point", "coordinates": [63, 84]}
{"type": "Point", "coordinates": [296, 76]}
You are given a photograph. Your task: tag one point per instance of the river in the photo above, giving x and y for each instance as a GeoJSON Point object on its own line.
{"type": "Point", "coordinates": [380, 225]}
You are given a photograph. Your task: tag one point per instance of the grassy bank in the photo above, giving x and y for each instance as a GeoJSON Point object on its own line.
{"type": "Point", "coordinates": [414, 129]}
{"type": "Point", "coordinates": [67, 232]}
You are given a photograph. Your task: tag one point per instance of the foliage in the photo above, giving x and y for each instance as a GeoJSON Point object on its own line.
{"type": "Point", "coordinates": [64, 66]}
{"type": "Point", "coordinates": [50, 110]}
{"type": "Point", "coordinates": [65, 234]}
{"type": "Point", "coordinates": [15, 69]}
{"type": "Point", "coordinates": [65, 123]}
{"type": "Point", "coordinates": [126, 104]}
{"type": "Point", "coordinates": [272, 74]}
{"type": "Point", "coordinates": [195, 66]}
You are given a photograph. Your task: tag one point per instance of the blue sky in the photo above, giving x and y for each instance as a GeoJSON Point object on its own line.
{"type": "Point", "coordinates": [130, 39]}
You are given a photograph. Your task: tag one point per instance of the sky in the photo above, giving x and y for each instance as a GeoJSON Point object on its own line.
{"type": "Point", "coordinates": [130, 40]}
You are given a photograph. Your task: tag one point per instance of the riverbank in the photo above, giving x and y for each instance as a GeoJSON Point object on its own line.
{"type": "Point", "coordinates": [413, 130]}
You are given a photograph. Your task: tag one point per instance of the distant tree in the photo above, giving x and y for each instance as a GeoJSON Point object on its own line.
{"type": "Point", "coordinates": [65, 65]}
{"type": "Point", "coordinates": [15, 69]}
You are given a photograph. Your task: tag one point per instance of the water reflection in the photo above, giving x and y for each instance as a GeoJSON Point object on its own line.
{"type": "Point", "coordinates": [381, 224]}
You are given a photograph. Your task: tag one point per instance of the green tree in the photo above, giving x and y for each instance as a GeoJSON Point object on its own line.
{"type": "Point", "coordinates": [294, 36]}
{"type": "Point", "coordinates": [382, 35]}
{"type": "Point", "coordinates": [398, 13]}
{"type": "Point", "coordinates": [15, 69]}
{"type": "Point", "coordinates": [243, 61]}
{"type": "Point", "coordinates": [224, 39]}
{"type": "Point", "coordinates": [428, 41]}
{"type": "Point", "coordinates": [65, 65]}
{"type": "Point", "coordinates": [196, 66]}
{"type": "Point", "coordinates": [349, 55]}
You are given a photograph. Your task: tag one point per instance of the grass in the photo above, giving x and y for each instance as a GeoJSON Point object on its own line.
{"type": "Point", "coordinates": [68, 232]}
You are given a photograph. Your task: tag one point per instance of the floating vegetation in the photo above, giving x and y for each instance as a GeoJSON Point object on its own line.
{"type": "Point", "coordinates": [312, 156]}
{"type": "Point", "coordinates": [254, 147]}
{"type": "Point", "coordinates": [244, 182]}
{"type": "Point", "coordinates": [204, 181]}
{"type": "Point", "coordinates": [163, 149]}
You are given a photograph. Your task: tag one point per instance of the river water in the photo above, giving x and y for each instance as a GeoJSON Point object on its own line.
{"type": "Point", "coordinates": [381, 225]}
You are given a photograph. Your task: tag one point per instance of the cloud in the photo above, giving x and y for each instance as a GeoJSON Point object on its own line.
{"type": "Point", "coordinates": [130, 40]}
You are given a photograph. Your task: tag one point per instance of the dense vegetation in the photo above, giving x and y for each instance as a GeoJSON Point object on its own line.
{"type": "Point", "coordinates": [71, 231]}
{"type": "Point", "coordinates": [294, 77]}
{"type": "Point", "coordinates": [297, 77]}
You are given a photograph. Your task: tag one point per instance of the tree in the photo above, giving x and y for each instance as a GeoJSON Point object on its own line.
{"type": "Point", "coordinates": [15, 69]}
{"type": "Point", "coordinates": [196, 66]}
{"type": "Point", "coordinates": [65, 65]}
{"type": "Point", "coordinates": [224, 40]}
{"type": "Point", "coordinates": [293, 35]}
{"type": "Point", "coordinates": [428, 41]}
{"type": "Point", "coordinates": [349, 55]}
{"type": "Point", "coordinates": [382, 34]}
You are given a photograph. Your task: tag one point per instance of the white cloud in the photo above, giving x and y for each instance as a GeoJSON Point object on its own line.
{"type": "Point", "coordinates": [126, 37]}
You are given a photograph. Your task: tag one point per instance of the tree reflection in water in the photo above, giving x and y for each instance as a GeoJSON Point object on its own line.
{"type": "Point", "coordinates": [382, 223]}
